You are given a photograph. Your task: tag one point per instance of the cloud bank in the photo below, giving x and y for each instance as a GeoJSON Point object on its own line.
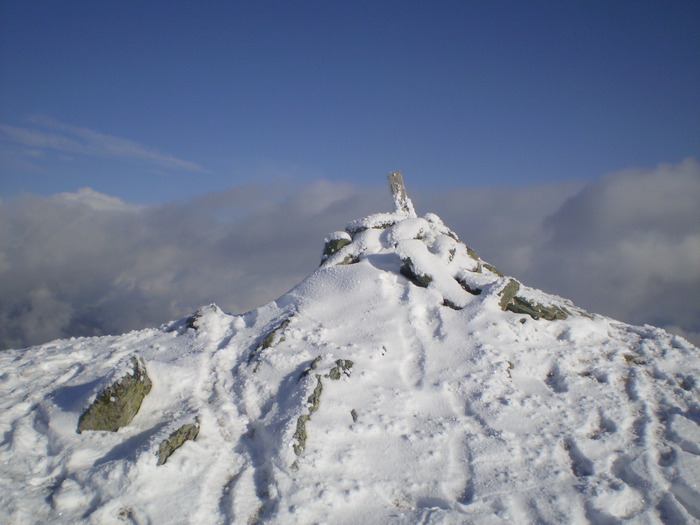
{"type": "Point", "coordinates": [628, 245]}
{"type": "Point", "coordinates": [81, 264]}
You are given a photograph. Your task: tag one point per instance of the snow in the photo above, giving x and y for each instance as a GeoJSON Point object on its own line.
{"type": "Point", "coordinates": [462, 414]}
{"type": "Point", "coordinates": [336, 236]}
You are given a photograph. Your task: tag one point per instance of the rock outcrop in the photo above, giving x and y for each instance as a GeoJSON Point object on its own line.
{"type": "Point", "coordinates": [175, 441]}
{"type": "Point", "coordinates": [511, 302]}
{"type": "Point", "coordinates": [117, 404]}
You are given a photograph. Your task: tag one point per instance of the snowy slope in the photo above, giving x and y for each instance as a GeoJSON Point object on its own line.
{"type": "Point", "coordinates": [393, 385]}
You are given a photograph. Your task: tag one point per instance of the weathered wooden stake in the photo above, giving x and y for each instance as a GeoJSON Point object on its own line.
{"type": "Point", "coordinates": [398, 190]}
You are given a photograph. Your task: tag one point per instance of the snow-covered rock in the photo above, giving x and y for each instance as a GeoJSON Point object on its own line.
{"type": "Point", "coordinates": [116, 405]}
{"type": "Point", "coordinates": [404, 381]}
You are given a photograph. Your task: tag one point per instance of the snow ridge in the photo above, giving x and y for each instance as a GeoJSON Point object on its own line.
{"type": "Point", "coordinates": [404, 381]}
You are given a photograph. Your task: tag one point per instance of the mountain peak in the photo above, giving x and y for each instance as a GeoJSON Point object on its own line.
{"type": "Point", "coordinates": [430, 255]}
{"type": "Point", "coordinates": [405, 380]}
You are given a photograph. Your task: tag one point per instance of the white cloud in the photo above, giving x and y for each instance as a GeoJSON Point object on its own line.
{"type": "Point", "coordinates": [628, 245]}
{"type": "Point", "coordinates": [96, 200]}
{"type": "Point", "coordinates": [87, 264]}
{"type": "Point", "coordinates": [112, 267]}
{"type": "Point", "coordinates": [503, 224]}
{"type": "Point", "coordinates": [50, 134]}
{"type": "Point", "coordinates": [42, 140]}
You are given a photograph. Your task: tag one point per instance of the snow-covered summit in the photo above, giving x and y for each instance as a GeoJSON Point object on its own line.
{"type": "Point", "coordinates": [404, 381]}
{"type": "Point", "coordinates": [430, 255]}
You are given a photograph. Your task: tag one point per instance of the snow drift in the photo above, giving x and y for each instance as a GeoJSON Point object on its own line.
{"type": "Point", "coordinates": [404, 381]}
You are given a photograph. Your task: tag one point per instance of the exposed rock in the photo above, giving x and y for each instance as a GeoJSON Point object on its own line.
{"type": "Point", "coordinates": [509, 367]}
{"type": "Point", "coordinates": [512, 303]}
{"type": "Point", "coordinates": [507, 293]}
{"type": "Point", "coordinates": [315, 397]}
{"type": "Point", "coordinates": [450, 304]}
{"type": "Point", "coordinates": [175, 441]}
{"type": "Point", "coordinates": [300, 434]}
{"type": "Point", "coordinates": [313, 401]}
{"type": "Point", "coordinates": [520, 305]}
{"type": "Point", "coordinates": [409, 272]}
{"type": "Point", "coordinates": [467, 288]}
{"type": "Point", "coordinates": [269, 340]}
{"type": "Point", "coordinates": [472, 253]}
{"type": "Point", "coordinates": [311, 367]}
{"type": "Point", "coordinates": [349, 259]}
{"type": "Point", "coordinates": [117, 405]}
{"type": "Point", "coordinates": [491, 268]}
{"type": "Point", "coordinates": [451, 254]}
{"type": "Point", "coordinates": [195, 321]}
{"type": "Point", "coordinates": [342, 366]}
{"type": "Point", "coordinates": [334, 243]}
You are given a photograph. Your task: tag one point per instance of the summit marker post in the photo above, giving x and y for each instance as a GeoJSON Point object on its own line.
{"type": "Point", "coordinates": [398, 190]}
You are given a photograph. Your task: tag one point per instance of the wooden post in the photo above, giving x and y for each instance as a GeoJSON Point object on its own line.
{"type": "Point", "coordinates": [398, 191]}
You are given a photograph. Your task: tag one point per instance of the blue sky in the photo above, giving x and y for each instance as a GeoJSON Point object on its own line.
{"type": "Point", "coordinates": [155, 101]}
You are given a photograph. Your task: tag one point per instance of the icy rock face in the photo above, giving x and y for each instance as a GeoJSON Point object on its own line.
{"type": "Point", "coordinates": [117, 405]}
